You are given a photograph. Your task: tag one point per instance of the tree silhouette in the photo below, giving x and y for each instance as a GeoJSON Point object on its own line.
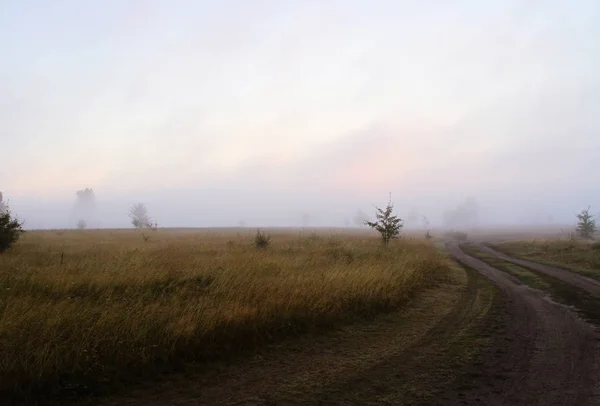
{"type": "Point", "coordinates": [387, 224]}
{"type": "Point", "coordinates": [586, 226]}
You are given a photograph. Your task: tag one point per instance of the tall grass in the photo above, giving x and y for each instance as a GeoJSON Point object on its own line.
{"type": "Point", "coordinates": [83, 307]}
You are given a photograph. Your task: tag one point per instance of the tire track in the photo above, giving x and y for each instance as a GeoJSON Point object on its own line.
{"type": "Point", "coordinates": [590, 285]}
{"type": "Point", "coordinates": [557, 360]}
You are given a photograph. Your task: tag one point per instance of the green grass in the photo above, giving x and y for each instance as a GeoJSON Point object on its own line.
{"type": "Point", "coordinates": [85, 309]}
{"type": "Point", "coordinates": [525, 276]}
{"type": "Point", "coordinates": [576, 255]}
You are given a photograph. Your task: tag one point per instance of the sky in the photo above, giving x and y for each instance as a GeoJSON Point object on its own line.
{"type": "Point", "coordinates": [212, 113]}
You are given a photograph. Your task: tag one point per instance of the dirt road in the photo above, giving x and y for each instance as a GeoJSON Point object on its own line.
{"type": "Point", "coordinates": [590, 285]}
{"type": "Point", "coordinates": [557, 359]}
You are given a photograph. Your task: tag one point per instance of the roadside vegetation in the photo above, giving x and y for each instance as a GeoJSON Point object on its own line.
{"type": "Point", "coordinates": [587, 305]}
{"type": "Point", "coordinates": [580, 253]}
{"type": "Point", "coordinates": [577, 255]}
{"type": "Point", "coordinates": [82, 309]}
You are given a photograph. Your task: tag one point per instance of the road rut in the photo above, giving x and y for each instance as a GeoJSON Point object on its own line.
{"type": "Point", "coordinates": [590, 285]}
{"type": "Point", "coordinates": [555, 355]}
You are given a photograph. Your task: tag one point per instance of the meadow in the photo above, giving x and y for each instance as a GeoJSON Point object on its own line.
{"type": "Point", "coordinates": [574, 254]}
{"type": "Point", "coordinates": [81, 309]}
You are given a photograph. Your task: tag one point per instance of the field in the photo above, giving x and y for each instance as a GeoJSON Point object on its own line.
{"type": "Point", "coordinates": [85, 309]}
{"type": "Point", "coordinates": [576, 255]}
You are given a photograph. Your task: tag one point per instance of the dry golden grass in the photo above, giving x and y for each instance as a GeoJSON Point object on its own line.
{"type": "Point", "coordinates": [98, 306]}
{"type": "Point", "coordinates": [577, 255]}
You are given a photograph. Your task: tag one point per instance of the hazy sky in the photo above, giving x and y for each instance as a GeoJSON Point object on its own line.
{"type": "Point", "coordinates": [211, 112]}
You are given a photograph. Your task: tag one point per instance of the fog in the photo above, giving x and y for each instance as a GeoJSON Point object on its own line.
{"type": "Point", "coordinates": [286, 113]}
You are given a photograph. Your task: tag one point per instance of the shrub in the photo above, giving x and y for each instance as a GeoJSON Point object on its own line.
{"type": "Point", "coordinates": [586, 226]}
{"type": "Point", "coordinates": [262, 240]}
{"type": "Point", "coordinates": [388, 225]}
{"type": "Point", "coordinates": [10, 230]}
{"type": "Point", "coordinates": [139, 216]}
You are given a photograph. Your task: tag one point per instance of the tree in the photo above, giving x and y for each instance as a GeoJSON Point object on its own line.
{"type": "Point", "coordinates": [139, 216]}
{"type": "Point", "coordinates": [387, 224]}
{"type": "Point", "coordinates": [262, 240]}
{"type": "Point", "coordinates": [85, 205]}
{"type": "Point", "coordinates": [586, 226]}
{"type": "Point", "coordinates": [3, 204]}
{"type": "Point", "coordinates": [81, 224]}
{"type": "Point", "coordinates": [427, 230]}
{"type": "Point", "coordinates": [10, 230]}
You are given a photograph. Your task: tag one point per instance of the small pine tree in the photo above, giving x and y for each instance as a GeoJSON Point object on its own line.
{"type": "Point", "coordinates": [586, 226]}
{"type": "Point", "coordinates": [10, 230]}
{"type": "Point", "coordinates": [262, 240]}
{"type": "Point", "coordinates": [387, 224]}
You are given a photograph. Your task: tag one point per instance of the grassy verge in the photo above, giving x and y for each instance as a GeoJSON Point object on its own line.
{"type": "Point", "coordinates": [587, 305]}
{"type": "Point", "coordinates": [576, 255]}
{"type": "Point", "coordinates": [442, 363]}
{"type": "Point", "coordinates": [525, 276]}
{"type": "Point", "coordinates": [81, 310]}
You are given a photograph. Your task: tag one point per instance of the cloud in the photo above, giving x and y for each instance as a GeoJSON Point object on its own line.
{"type": "Point", "coordinates": [281, 107]}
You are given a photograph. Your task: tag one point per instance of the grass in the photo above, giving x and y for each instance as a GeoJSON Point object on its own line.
{"type": "Point", "coordinates": [86, 309]}
{"type": "Point", "coordinates": [576, 255]}
{"type": "Point", "coordinates": [524, 276]}
{"type": "Point", "coordinates": [402, 357]}
{"type": "Point", "coordinates": [587, 305]}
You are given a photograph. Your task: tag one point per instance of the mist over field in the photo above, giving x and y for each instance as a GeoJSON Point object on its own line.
{"type": "Point", "coordinates": [282, 113]}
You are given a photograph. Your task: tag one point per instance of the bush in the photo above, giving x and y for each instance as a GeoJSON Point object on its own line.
{"type": "Point", "coordinates": [586, 226]}
{"type": "Point", "coordinates": [387, 225]}
{"type": "Point", "coordinates": [262, 240]}
{"type": "Point", "coordinates": [10, 230]}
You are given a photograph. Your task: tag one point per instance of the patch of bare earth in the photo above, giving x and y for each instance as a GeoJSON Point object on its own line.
{"type": "Point", "coordinates": [551, 356]}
